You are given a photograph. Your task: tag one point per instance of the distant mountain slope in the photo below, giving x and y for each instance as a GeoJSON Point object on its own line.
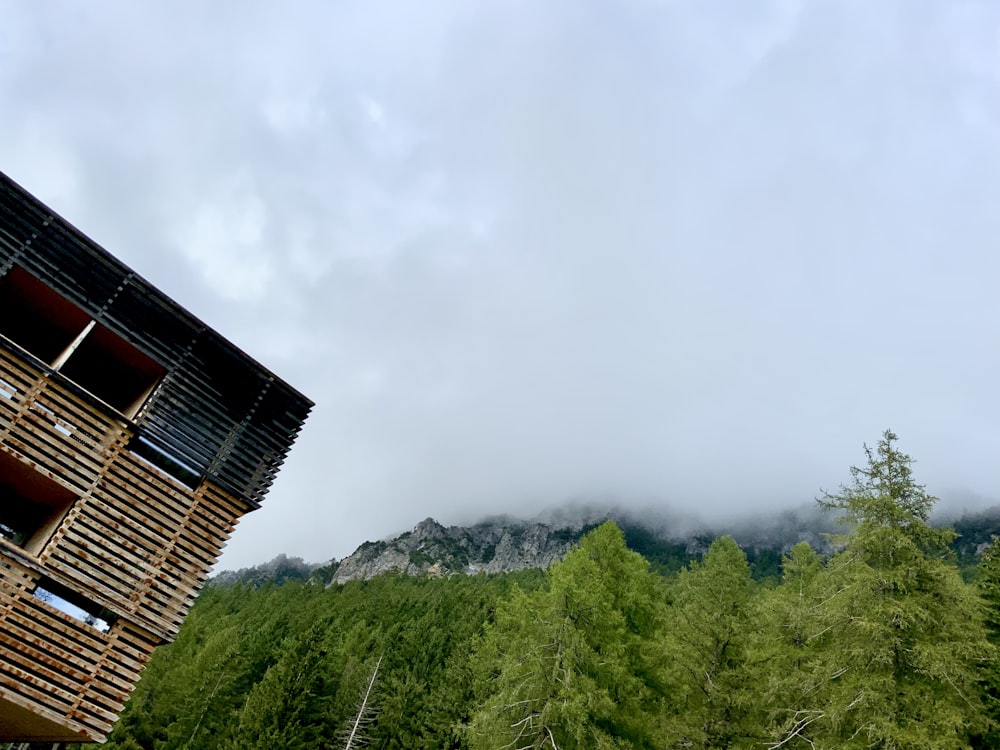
{"type": "Point", "coordinates": [280, 569]}
{"type": "Point", "coordinates": [503, 544]}
{"type": "Point", "coordinates": [432, 549]}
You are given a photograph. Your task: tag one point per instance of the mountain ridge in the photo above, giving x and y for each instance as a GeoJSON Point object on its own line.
{"type": "Point", "coordinates": [504, 544]}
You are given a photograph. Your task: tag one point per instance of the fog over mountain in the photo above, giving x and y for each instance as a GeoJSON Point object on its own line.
{"type": "Point", "coordinates": [504, 544]}
{"type": "Point", "coordinates": [672, 255]}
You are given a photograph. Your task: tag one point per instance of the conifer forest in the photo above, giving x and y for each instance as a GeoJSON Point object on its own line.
{"type": "Point", "coordinates": [881, 644]}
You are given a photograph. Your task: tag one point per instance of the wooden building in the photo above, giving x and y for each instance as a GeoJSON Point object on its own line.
{"type": "Point", "coordinates": [132, 439]}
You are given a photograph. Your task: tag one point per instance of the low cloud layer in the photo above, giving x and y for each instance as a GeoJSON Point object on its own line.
{"type": "Point", "coordinates": [674, 254]}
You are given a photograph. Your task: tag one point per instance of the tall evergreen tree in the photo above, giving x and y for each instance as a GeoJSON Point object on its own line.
{"type": "Point", "coordinates": [289, 707]}
{"type": "Point", "coordinates": [988, 584]}
{"type": "Point", "coordinates": [563, 668]}
{"type": "Point", "coordinates": [904, 635]}
{"type": "Point", "coordinates": [712, 702]}
{"type": "Point", "coordinates": [786, 647]}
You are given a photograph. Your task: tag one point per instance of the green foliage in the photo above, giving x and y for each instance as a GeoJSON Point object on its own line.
{"type": "Point", "coordinates": [787, 644]}
{"type": "Point", "coordinates": [974, 531]}
{"type": "Point", "coordinates": [903, 638]}
{"type": "Point", "coordinates": [765, 564]}
{"type": "Point", "coordinates": [372, 548]}
{"type": "Point", "coordinates": [565, 667]}
{"type": "Point", "coordinates": [711, 624]}
{"type": "Point", "coordinates": [884, 495]}
{"type": "Point", "coordinates": [988, 584]}
{"type": "Point", "coordinates": [282, 666]}
{"type": "Point", "coordinates": [420, 558]}
{"type": "Point", "coordinates": [289, 707]}
{"type": "Point", "coordinates": [664, 556]}
{"type": "Point", "coordinates": [881, 645]}
{"type": "Point", "coordinates": [324, 574]}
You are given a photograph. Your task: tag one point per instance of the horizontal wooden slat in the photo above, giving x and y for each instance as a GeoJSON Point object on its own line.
{"type": "Point", "coordinates": [143, 560]}
{"type": "Point", "coordinates": [59, 667]}
{"type": "Point", "coordinates": [121, 533]}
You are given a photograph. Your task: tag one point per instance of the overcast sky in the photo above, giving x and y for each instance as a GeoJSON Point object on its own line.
{"type": "Point", "coordinates": [676, 254]}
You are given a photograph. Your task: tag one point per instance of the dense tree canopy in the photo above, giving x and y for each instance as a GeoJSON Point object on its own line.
{"type": "Point", "coordinates": [902, 640]}
{"type": "Point", "coordinates": [567, 666]}
{"type": "Point", "coordinates": [881, 644]}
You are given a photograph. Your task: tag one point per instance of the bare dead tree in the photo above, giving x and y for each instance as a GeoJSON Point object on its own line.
{"type": "Point", "coordinates": [366, 712]}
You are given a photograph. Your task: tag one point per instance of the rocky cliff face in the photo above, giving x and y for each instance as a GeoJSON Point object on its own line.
{"type": "Point", "coordinates": [503, 544]}
{"type": "Point", "coordinates": [433, 549]}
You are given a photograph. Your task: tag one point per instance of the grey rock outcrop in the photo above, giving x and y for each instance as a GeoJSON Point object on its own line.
{"type": "Point", "coordinates": [496, 546]}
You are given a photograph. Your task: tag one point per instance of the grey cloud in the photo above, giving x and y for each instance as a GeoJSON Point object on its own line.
{"type": "Point", "coordinates": [688, 253]}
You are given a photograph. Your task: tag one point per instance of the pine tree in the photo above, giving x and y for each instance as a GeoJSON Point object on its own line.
{"type": "Point", "coordinates": [988, 584]}
{"type": "Point", "coordinates": [564, 668]}
{"type": "Point", "coordinates": [903, 634]}
{"type": "Point", "coordinates": [786, 647]}
{"type": "Point", "coordinates": [288, 708]}
{"type": "Point", "coordinates": [711, 700]}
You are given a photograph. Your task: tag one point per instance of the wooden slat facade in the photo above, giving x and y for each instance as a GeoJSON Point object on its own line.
{"type": "Point", "coordinates": [134, 541]}
{"type": "Point", "coordinates": [116, 528]}
{"type": "Point", "coordinates": [60, 669]}
{"type": "Point", "coordinates": [239, 419]}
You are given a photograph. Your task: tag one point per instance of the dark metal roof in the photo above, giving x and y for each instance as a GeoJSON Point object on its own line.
{"type": "Point", "coordinates": [216, 411]}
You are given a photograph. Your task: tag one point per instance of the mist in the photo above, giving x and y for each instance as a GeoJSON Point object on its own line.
{"type": "Point", "coordinates": [684, 256]}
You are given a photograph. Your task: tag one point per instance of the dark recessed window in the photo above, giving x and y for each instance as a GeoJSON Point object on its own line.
{"type": "Point", "coordinates": [31, 505]}
{"type": "Point", "coordinates": [37, 318]}
{"type": "Point", "coordinates": [53, 329]}
{"type": "Point", "coordinates": [164, 461]}
{"type": "Point", "coordinates": [112, 369]}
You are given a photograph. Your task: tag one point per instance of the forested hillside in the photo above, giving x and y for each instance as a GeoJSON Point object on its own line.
{"type": "Point", "coordinates": [880, 644]}
{"type": "Point", "coordinates": [503, 545]}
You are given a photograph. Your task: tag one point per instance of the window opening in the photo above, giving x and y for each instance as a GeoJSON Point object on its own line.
{"type": "Point", "coordinates": [74, 604]}
{"type": "Point", "coordinates": [112, 369]}
{"type": "Point", "coordinates": [36, 317]}
{"type": "Point", "coordinates": [161, 459]}
{"type": "Point", "coordinates": [7, 391]}
{"type": "Point", "coordinates": [43, 322]}
{"type": "Point", "coordinates": [31, 505]}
